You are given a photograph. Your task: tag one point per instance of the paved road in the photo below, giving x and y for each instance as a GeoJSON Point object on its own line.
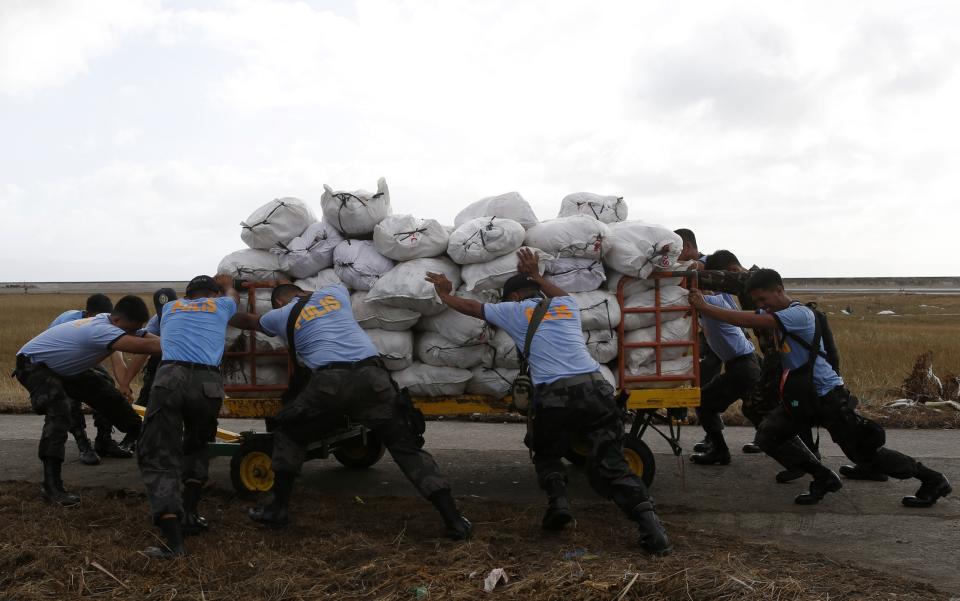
{"type": "Point", "coordinates": [863, 523]}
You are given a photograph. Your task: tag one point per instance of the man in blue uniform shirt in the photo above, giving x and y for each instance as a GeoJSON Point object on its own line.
{"type": "Point", "coordinates": [58, 365]}
{"type": "Point", "coordinates": [348, 378]}
{"type": "Point", "coordinates": [149, 364]}
{"type": "Point", "coordinates": [104, 445]}
{"type": "Point", "coordinates": [184, 404]}
{"type": "Point", "coordinates": [812, 393]}
{"type": "Point", "coordinates": [571, 398]}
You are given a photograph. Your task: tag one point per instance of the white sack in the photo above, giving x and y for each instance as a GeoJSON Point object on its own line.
{"type": "Point", "coordinates": [484, 239]}
{"type": "Point", "coordinates": [252, 265]}
{"type": "Point", "coordinates": [405, 237]}
{"type": "Point", "coordinates": [428, 381]}
{"type": "Point", "coordinates": [404, 286]}
{"type": "Point", "coordinates": [495, 383]}
{"type": "Point", "coordinates": [598, 310]}
{"type": "Point", "coordinates": [373, 315]}
{"type": "Point", "coordinates": [635, 286]}
{"type": "Point", "coordinates": [358, 264]}
{"type": "Point", "coordinates": [309, 253]}
{"type": "Point", "coordinates": [576, 236]}
{"type": "Point", "coordinates": [506, 206]}
{"type": "Point", "coordinates": [278, 221]}
{"type": "Point", "coordinates": [396, 348]}
{"type": "Point", "coordinates": [434, 349]}
{"type": "Point", "coordinates": [608, 209]}
{"type": "Point", "coordinates": [678, 367]}
{"type": "Point", "coordinates": [637, 249]}
{"type": "Point", "coordinates": [456, 327]}
{"type": "Point", "coordinates": [608, 375]}
{"type": "Point", "coordinates": [505, 351]}
{"type": "Point", "coordinates": [670, 296]}
{"type": "Point", "coordinates": [671, 331]}
{"type": "Point", "coordinates": [318, 281]}
{"type": "Point", "coordinates": [601, 344]}
{"type": "Point", "coordinates": [575, 275]}
{"type": "Point", "coordinates": [355, 214]}
{"type": "Point", "coordinates": [493, 275]}
{"type": "Point", "coordinates": [271, 370]}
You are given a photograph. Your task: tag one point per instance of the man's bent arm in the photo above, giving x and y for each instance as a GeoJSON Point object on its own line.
{"type": "Point", "coordinates": [246, 321]}
{"type": "Point", "coordinates": [137, 345]}
{"type": "Point", "coordinates": [467, 306]}
{"type": "Point", "coordinates": [743, 319]}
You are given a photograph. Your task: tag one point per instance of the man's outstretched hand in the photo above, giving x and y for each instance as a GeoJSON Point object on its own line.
{"type": "Point", "coordinates": [529, 262]}
{"type": "Point", "coordinates": [440, 282]}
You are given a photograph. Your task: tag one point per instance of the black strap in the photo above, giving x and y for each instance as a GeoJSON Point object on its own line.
{"type": "Point", "coordinates": [535, 319]}
{"type": "Point", "coordinates": [809, 346]}
{"type": "Point", "coordinates": [291, 324]}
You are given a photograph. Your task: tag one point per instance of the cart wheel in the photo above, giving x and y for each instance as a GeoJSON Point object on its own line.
{"type": "Point", "coordinates": [359, 456]}
{"type": "Point", "coordinates": [640, 459]}
{"type": "Point", "coordinates": [251, 468]}
{"type": "Point", "coordinates": [577, 452]}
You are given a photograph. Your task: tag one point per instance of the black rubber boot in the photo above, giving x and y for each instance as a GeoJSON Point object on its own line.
{"type": "Point", "coordinates": [786, 476]}
{"type": "Point", "coordinates": [106, 446]}
{"type": "Point", "coordinates": [192, 522]}
{"type": "Point", "coordinates": [558, 510]}
{"type": "Point", "coordinates": [703, 446]}
{"type": "Point", "coordinates": [933, 486]}
{"type": "Point", "coordinates": [87, 455]}
{"type": "Point", "coordinates": [458, 527]}
{"type": "Point", "coordinates": [823, 482]}
{"type": "Point", "coordinates": [277, 513]}
{"type": "Point", "coordinates": [173, 537]}
{"type": "Point", "coordinates": [653, 537]}
{"type": "Point", "coordinates": [52, 490]}
{"type": "Point", "coordinates": [859, 472]}
{"type": "Point", "coordinates": [752, 448]}
{"type": "Point", "coordinates": [717, 454]}
{"type": "Point", "coordinates": [129, 443]}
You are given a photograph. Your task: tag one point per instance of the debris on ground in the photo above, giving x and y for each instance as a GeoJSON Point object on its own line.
{"type": "Point", "coordinates": [886, 312]}
{"type": "Point", "coordinates": [923, 385]}
{"type": "Point", "coordinates": [494, 578]}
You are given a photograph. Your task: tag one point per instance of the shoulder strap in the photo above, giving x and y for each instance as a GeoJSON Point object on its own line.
{"type": "Point", "coordinates": [813, 344]}
{"type": "Point", "coordinates": [291, 323]}
{"type": "Point", "coordinates": [535, 319]}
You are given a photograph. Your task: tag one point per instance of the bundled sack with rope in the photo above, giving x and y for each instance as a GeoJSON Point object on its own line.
{"type": "Point", "coordinates": [505, 351]}
{"type": "Point", "coordinates": [358, 264]}
{"type": "Point", "coordinates": [670, 331]}
{"type": "Point", "coordinates": [318, 281]}
{"type": "Point", "coordinates": [373, 315]}
{"type": "Point", "coordinates": [608, 209]}
{"type": "Point", "coordinates": [404, 286]}
{"type": "Point", "coordinates": [437, 350]}
{"type": "Point", "coordinates": [575, 275]}
{"type": "Point", "coordinates": [456, 327]}
{"type": "Point", "coordinates": [252, 265]}
{"type": "Point", "coordinates": [309, 253]}
{"type": "Point", "coordinates": [479, 277]}
{"type": "Point", "coordinates": [670, 296]}
{"type": "Point", "coordinates": [405, 237]}
{"type": "Point", "coordinates": [421, 379]}
{"type": "Point", "coordinates": [493, 382]}
{"type": "Point", "coordinates": [577, 236]}
{"type": "Point", "coordinates": [277, 222]}
{"type": "Point", "coordinates": [396, 348]}
{"type": "Point", "coordinates": [637, 249]}
{"type": "Point", "coordinates": [635, 286]}
{"type": "Point", "coordinates": [483, 239]}
{"type": "Point", "coordinates": [601, 344]}
{"type": "Point", "coordinates": [356, 214]}
{"type": "Point", "coordinates": [599, 310]}
{"type": "Point", "coordinates": [505, 206]}
{"type": "Point", "coordinates": [674, 367]}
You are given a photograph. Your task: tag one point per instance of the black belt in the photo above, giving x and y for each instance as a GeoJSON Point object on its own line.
{"type": "Point", "coordinates": [203, 366]}
{"type": "Point", "coordinates": [572, 381]}
{"type": "Point", "coordinates": [368, 362]}
{"type": "Point", "coordinates": [740, 359]}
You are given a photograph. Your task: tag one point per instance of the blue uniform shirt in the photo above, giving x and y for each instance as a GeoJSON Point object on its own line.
{"type": "Point", "coordinates": [195, 330]}
{"type": "Point", "coordinates": [558, 350]}
{"type": "Point", "coordinates": [726, 340]}
{"type": "Point", "coordinates": [800, 321]}
{"type": "Point", "coordinates": [75, 346]}
{"type": "Point", "coordinates": [326, 331]}
{"type": "Point", "coordinates": [153, 326]}
{"type": "Point", "coordinates": [71, 315]}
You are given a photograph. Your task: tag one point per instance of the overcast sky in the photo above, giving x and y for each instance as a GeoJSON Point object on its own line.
{"type": "Point", "coordinates": [820, 138]}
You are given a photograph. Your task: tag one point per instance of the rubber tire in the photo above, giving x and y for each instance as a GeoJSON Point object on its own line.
{"type": "Point", "coordinates": [358, 457]}
{"type": "Point", "coordinates": [577, 452]}
{"type": "Point", "coordinates": [259, 444]}
{"type": "Point", "coordinates": [637, 453]}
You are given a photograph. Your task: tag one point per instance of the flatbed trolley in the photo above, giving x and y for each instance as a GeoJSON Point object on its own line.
{"type": "Point", "coordinates": [355, 447]}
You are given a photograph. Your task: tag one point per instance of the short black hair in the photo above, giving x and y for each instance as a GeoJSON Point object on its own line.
{"type": "Point", "coordinates": [99, 303]}
{"type": "Point", "coordinates": [283, 289]}
{"type": "Point", "coordinates": [721, 260]}
{"type": "Point", "coordinates": [687, 236]}
{"type": "Point", "coordinates": [132, 308]}
{"type": "Point", "coordinates": [764, 279]}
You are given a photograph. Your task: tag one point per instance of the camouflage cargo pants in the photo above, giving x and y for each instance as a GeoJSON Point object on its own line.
{"type": "Point", "coordinates": [51, 396]}
{"type": "Point", "coordinates": [584, 411]}
{"type": "Point", "coordinates": [368, 396]}
{"type": "Point", "coordinates": [78, 424]}
{"type": "Point", "coordinates": [182, 418]}
{"type": "Point", "coordinates": [738, 381]}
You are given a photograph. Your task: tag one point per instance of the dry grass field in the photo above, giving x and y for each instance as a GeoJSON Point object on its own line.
{"type": "Point", "coordinates": [878, 350]}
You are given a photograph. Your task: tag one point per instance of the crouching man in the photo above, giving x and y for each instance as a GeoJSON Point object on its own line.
{"type": "Point", "coordinates": [348, 378]}
{"type": "Point", "coordinates": [59, 366]}
{"type": "Point", "coordinates": [813, 394]}
{"type": "Point", "coordinates": [571, 397]}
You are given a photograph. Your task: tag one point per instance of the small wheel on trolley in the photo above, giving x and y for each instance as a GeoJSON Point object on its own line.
{"type": "Point", "coordinates": [577, 451]}
{"type": "Point", "coordinates": [251, 470]}
{"type": "Point", "coordinates": [640, 458]}
{"type": "Point", "coordinates": [356, 455]}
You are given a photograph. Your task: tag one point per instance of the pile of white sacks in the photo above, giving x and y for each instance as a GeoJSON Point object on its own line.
{"type": "Point", "coordinates": [382, 258]}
